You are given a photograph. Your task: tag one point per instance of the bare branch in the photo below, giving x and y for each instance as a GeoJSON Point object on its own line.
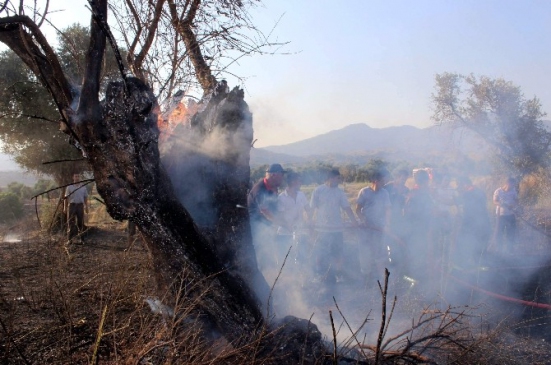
{"type": "Point", "coordinates": [203, 71]}
{"type": "Point", "coordinates": [151, 31]}
{"type": "Point", "coordinates": [94, 59]}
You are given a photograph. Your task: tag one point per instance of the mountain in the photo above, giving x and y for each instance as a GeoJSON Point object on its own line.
{"type": "Point", "coordinates": [360, 140]}
{"type": "Point", "coordinates": [7, 177]}
{"type": "Point", "coordinates": [260, 156]}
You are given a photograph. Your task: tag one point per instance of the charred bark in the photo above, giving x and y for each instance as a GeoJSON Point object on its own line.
{"type": "Point", "coordinates": [119, 137]}
{"type": "Point", "coordinates": [208, 161]}
{"type": "Point", "coordinates": [212, 261]}
{"type": "Point", "coordinates": [123, 152]}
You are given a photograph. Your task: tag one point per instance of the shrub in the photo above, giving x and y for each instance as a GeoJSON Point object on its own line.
{"type": "Point", "coordinates": [11, 207]}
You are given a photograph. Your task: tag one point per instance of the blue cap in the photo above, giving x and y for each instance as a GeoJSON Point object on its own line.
{"type": "Point", "coordinates": [275, 168]}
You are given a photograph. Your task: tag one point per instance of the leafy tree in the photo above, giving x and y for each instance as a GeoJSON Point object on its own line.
{"type": "Point", "coordinates": [349, 172]}
{"type": "Point", "coordinates": [11, 207]}
{"type": "Point", "coordinates": [43, 185]}
{"type": "Point", "coordinates": [29, 126]}
{"type": "Point", "coordinates": [21, 190]}
{"type": "Point", "coordinates": [497, 111]}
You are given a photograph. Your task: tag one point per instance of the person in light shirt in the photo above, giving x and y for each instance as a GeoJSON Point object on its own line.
{"type": "Point", "coordinates": [327, 202]}
{"type": "Point", "coordinates": [506, 202]}
{"type": "Point", "coordinates": [292, 206]}
{"type": "Point", "coordinates": [76, 204]}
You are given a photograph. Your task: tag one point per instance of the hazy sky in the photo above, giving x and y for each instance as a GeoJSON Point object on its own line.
{"type": "Point", "coordinates": [374, 61]}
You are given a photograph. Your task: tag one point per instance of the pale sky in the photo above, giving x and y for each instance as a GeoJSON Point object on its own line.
{"type": "Point", "coordinates": [374, 61]}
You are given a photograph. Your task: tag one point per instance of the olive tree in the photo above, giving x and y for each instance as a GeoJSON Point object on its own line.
{"type": "Point", "coordinates": [497, 111]}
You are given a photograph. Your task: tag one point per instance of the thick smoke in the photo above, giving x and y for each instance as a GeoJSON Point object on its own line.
{"type": "Point", "coordinates": [189, 150]}
{"type": "Point", "coordinates": [457, 271]}
{"type": "Point", "coordinates": [455, 267]}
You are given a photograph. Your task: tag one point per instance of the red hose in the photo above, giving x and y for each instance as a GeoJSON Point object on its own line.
{"type": "Point", "coordinates": [500, 296]}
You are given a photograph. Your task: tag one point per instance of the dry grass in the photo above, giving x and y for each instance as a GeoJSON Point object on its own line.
{"type": "Point", "coordinates": [86, 305]}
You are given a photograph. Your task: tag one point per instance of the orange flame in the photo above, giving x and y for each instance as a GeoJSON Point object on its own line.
{"type": "Point", "coordinates": [177, 115]}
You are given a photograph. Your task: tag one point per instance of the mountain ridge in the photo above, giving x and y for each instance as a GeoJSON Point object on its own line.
{"type": "Point", "coordinates": [361, 139]}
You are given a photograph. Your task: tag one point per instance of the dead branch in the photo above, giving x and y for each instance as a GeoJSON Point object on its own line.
{"type": "Point", "coordinates": [89, 100]}
{"type": "Point", "coordinates": [384, 291]}
{"type": "Point", "coordinates": [102, 23]}
{"type": "Point", "coordinates": [335, 357]}
{"type": "Point", "coordinates": [86, 182]}
{"type": "Point", "coordinates": [151, 32]}
{"type": "Point", "coordinates": [353, 333]}
{"type": "Point", "coordinates": [64, 160]}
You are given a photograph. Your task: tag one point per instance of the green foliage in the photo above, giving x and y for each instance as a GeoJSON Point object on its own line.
{"type": "Point", "coordinates": [372, 169]}
{"type": "Point", "coordinates": [30, 124]}
{"type": "Point", "coordinates": [44, 185]}
{"type": "Point", "coordinates": [11, 207]}
{"type": "Point", "coordinates": [497, 111]}
{"type": "Point", "coordinates": [258, 172]}
{"type": "Point", "coordinates": [20, 190]}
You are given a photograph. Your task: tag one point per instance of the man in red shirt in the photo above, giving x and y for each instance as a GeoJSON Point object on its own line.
{"type": "Point", "coordinates": [263, 213]}
{"type": "Point", "coordinates": [262, 199]}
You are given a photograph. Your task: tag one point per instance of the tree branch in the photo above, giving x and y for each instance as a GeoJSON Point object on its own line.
{"type": "Point", "coordinates": [151, 31]}
{"type": "Point", "coordinates": [35, 51]}
{"type": "Point", "coordinates": [203, 71]}
{"type": "Point", "coordinates": [89, 100]}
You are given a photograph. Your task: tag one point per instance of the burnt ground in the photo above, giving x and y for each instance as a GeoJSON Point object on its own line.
{"type": "Point", "coordinates": [53, 297]}
{"type": "Point", "coordinates": [85, 304]}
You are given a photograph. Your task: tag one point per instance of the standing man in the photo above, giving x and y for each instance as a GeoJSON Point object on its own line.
{"type": "Point", "coordinates": [76, 203]}
{"type": "Point", "coordinates": [327, 202]}
{"type": "Point", "coordinates": [506, 202]}
{"type": "Point", "coordinates": [418, 216]}
{"type": "Point", "coordinates": [475, 228]}
{"type": "Point", "coordinates": [263, 212]}
{"type": "Point", "coordinates": [398, 193]}
{"type": "Point", "coordinates": [292, 205]}
{"type": "Point", "coordinates": [373, 209]}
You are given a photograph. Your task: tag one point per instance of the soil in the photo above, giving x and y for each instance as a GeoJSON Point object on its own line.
{"type": "Point", "coordinates": [53, 295]}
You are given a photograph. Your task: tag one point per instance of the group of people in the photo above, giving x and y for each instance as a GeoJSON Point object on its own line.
{"type": "Point", "coordinates": [416, 230]}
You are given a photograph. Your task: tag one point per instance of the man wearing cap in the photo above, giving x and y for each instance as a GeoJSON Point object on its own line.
{"type": "Point", "coordinates": [263, 213]}
{"type": "Point", "coordinates": [262, 199]}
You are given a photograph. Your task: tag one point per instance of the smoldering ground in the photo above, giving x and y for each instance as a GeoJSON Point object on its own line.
{"type": "Point", "coordinates": [464, 276]}
{"type": "Point", "coordinates": [492, 288]}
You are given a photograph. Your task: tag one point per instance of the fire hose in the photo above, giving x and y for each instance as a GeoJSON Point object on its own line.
{"type": "Point", "coordinates": [501, 296]}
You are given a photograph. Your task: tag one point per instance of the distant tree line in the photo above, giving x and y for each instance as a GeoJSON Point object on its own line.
{"type": "Point", "coordinates": [314, 172]}
{"type": "Point", "coordinates": [14, 196]}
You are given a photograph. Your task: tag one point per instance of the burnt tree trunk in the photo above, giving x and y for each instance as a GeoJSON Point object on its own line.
{"type": "Point", "coordinates": [208, 162]}
{"type": "Point", "coordinates": [120, 139]}
{"type": "Point", "coordinates": [123, 152]}
{"type": "Point", "coordinates": [212, 261]}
